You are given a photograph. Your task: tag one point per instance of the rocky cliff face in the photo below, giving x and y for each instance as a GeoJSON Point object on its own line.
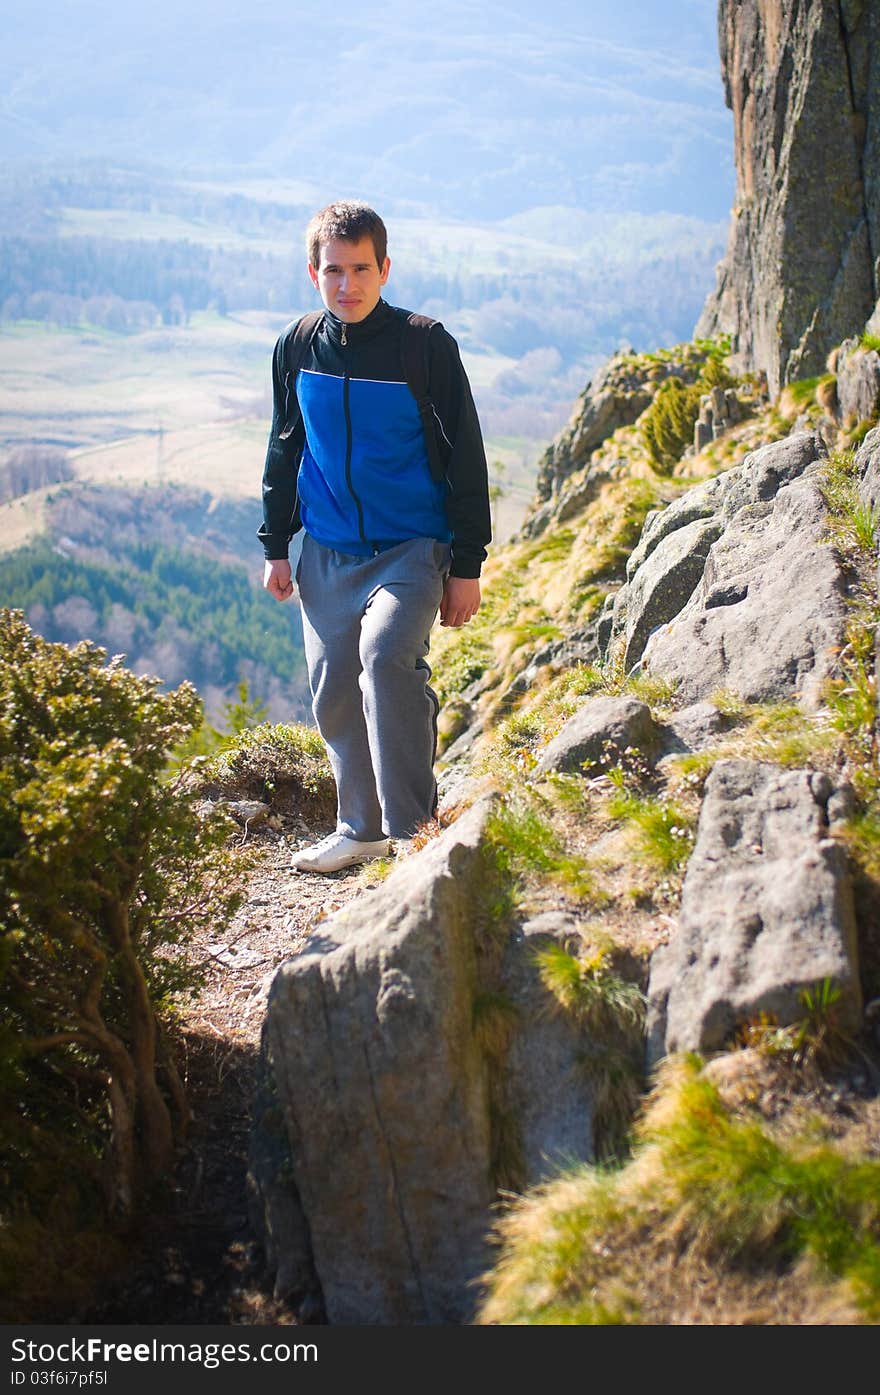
{"type": "Point", "coordinates": [802, 78]}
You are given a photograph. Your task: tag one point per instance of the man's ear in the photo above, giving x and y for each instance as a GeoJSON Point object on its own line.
{"type": "Point", "coordinates": [313, 276]}
{"type": "Point", "coordinates": [383, 272]}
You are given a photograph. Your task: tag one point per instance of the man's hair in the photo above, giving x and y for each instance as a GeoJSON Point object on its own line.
{"type": "Point", "coordinates": [349, 221]}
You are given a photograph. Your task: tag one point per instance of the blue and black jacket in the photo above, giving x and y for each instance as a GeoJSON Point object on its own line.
{"type": "Point", "coordinates": [347, 459]}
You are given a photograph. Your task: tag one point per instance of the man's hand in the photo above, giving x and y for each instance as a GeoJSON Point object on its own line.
{"type": "Point", "coordinates": [278, 580]}
{"type": "Point", "coordinates": [461, 600]}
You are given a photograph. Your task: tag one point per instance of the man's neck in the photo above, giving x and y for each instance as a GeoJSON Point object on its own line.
{"type": "Point", "coordinates": [358, 329]}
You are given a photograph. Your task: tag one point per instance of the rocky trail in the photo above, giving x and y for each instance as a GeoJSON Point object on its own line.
{"type": "Point", "coordinates": [194, 1259]}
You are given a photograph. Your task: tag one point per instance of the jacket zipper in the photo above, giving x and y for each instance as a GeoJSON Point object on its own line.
{"type": "Point", "coordinates": [348, 448]}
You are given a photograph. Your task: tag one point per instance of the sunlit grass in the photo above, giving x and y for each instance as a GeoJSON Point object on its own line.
{"type": "Point", "coordinates": [704, 1184]}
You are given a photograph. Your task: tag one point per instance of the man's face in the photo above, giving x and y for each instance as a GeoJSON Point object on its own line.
{"type": "Point", "coordinates": [349, 279]}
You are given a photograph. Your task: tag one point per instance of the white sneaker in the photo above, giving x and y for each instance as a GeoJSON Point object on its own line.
{"type": "Point", "coordinates": [337, 851]}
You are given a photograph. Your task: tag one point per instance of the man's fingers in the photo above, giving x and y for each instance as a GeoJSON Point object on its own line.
{"type": "Point", "coordinates": [455, 618]}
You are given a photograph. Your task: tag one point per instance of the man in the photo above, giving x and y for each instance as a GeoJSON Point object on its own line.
{"type": "Point", "coordinates": [386, 542]}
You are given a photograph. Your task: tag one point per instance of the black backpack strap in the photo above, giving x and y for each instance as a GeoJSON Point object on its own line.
{"type": "Point", "coordinates": [295, 349]}
{"type": "Point", "coordinates": [416, 332]}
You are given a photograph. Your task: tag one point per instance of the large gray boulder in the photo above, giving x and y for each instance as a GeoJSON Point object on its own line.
{"type": "Point", "coordinates": [766, 911]}
{"type": "Point", "coordinates": [598, 734]}
{"type": "Point", "coordinates": [669, 560]}
{"type": "Point", "coordinates": [383, 1090]}
{"type": "Point", "coordinates": [665, 582]}
{"type": "Point", "coordinates": [767, 620]}
{"type": "Point", "coordinates": [858, 383]}
{"type": "Point", "coordinates": [767, 470]}
{"type": "Point", "coordinates": [700, 502]}
{"type": "Point", "coordinates": [693, 728]}
{"type": "Point", "coordinates": [414, 1062]}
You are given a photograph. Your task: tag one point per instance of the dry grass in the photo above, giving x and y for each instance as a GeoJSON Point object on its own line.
{"type": "Point", "coordinates": [723, 1216]}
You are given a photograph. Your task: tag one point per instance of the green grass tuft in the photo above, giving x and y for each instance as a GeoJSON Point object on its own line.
{"type": "Point", "coordinates": [589, 988]}
{"type": "Point", "coordinates": [665, 833]}
{"type": "Point", "coordinates": [522, 842]}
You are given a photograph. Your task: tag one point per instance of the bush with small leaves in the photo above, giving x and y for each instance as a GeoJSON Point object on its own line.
{"type": "Point", "coordinates": [668, 424]}
{"type": "Point", "coordinates": [106, 871]}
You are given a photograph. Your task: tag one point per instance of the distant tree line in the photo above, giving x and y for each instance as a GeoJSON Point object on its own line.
{"type": "Point", "coordinates": [174, 613]}
{"type": "Point", "coordinates": [34, 201]}
{"type": "Point", "coordinates": [32, 466]}
{"type": "Point", "coordinates": [130, 285]}
{"type": "Point", "coordinates": [61, 278]}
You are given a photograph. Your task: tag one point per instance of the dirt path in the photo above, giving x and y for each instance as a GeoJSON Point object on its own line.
{"type": "Point", "coordinates": [194, 1258]}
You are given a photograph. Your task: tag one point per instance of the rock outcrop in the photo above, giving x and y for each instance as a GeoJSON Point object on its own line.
{"type": "Point", "coordinates": [616, 397]}
{"type": "Point", "coordinates": [621, 390]}
{"type": "Point", "coordinates": [766, 912]}
{"type": "Point", "coordinates": [734, 585]}
{"type": "Point", "coordinates": [800, 272]}
{"type": "Point", "coordinates": [392, 1046]}
{"type": "Point", "coordinates": [768, 619]}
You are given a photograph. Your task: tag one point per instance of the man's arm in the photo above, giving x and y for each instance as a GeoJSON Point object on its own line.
{"type": "Point", "coordinates": [280, 512]}
{"type": "Point", "coordinates": [467, 503]}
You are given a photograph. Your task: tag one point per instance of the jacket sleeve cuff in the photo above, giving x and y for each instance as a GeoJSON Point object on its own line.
{"type": "Point", "coordinates": [275, 547]}
{"type": "Point", "coordinates": [466, 566]}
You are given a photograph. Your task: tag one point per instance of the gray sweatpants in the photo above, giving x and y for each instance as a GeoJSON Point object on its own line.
{"type": "Point", "coordinates": [366, 622]}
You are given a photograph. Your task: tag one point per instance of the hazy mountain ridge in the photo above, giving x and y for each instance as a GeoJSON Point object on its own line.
{"type": "Point", "coordinates": [479, 112]}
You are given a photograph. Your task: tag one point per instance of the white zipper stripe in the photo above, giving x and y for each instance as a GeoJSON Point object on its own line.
{"type": "Point", "coordinates": [440, 424]}
{"type": "Point", "coordinates": [391, 382]}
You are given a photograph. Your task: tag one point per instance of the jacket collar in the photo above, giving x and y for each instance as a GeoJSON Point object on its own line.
{"type": "Point", "coordinates": [364, 329]}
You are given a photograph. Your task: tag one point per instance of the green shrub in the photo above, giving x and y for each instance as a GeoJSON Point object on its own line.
{"type": "Point", "coordinates": [106, 870]}
{"type": "Point", "coordinates": [668, 424]}
{"type": "Point", "coordinates": [283, 764]}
